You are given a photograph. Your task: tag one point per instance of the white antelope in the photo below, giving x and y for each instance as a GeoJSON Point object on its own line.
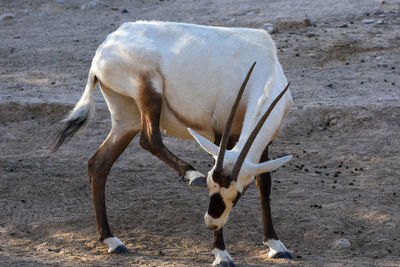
{"type": "Point", "coordinates": [178, 77]}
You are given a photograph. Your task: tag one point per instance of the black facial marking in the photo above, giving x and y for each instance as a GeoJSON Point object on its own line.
{"type": "Point", "coordinates": [221, 179]}
{"type": "Point", "coordinates": [216, 206]}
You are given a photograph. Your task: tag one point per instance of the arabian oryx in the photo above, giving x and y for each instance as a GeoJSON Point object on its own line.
{"type": "Point", "coordinates": [185, 79]}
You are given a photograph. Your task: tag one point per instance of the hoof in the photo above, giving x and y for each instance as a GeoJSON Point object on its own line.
{"type": "Point", "coordinates": [226, 264]}
{"type": "Point", "coordinates": [195, 178]}
{"type": "Point", "coordinates": [283, 255]}
{"type": "Point", "coordinates": [120, 250]}
{"type": "Point", "coordinates": [198, 182]}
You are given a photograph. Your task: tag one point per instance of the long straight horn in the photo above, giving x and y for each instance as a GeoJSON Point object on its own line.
{"type": "Point", "coordinates": [228, 126]}
{"type": "Point", "coordinates": [253, 135]}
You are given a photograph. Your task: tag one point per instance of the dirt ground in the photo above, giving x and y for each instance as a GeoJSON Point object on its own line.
{"type": "Point", "coordinates": [342, 59]}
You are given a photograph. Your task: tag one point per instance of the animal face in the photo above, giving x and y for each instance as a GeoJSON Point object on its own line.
{"type": "Point", "coordinates": [224, 194]}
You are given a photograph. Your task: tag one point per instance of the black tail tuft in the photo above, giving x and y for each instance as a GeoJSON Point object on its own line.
{"type": "Point", "coordinates": [69, 126]}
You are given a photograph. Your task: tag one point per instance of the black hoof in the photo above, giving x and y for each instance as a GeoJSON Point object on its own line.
{"type": "Point", "coordinates": [283, 255]}
{"type": "Point", "coordinates": [226, 264]}
{"type": "Point", "coordinates": [120, 250]}
{"type": "Point", "coordinates": [198, 182]}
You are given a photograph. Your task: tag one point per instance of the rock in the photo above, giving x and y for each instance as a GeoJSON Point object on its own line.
{"type": "Point", "coordinates": [7, 16]}
{"type": "Point", "coordinates": [342, 243]}
{"type": "Point", "coordinates": [308, 21]}
{"type": "Point", "coordinates": [368, 21]}
{"type": "Point", "coordinates": [342, 25]}
{"type": "Point", "coordinates": [124, 11]}
{"type": "Point", "coordinates": [377, 11]}
{"type": "Point", "coordinates": [250, 13]}
{"type": "Point", "coordinates": [380, 21]}
{"type": "Point", "coordinates": [270, 28]}
{"type": "Point", "coordinates": [90, 4]}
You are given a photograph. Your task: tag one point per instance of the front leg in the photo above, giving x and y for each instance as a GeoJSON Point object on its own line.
{"type": "Point", "coordinates": [150, 138]}
{"type": "Point", "coordinates": [222, 257]}
{"type": "Point", "coordinates": [276, 248]}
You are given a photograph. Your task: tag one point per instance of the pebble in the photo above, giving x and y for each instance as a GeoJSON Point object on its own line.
{"type": "Point", "coordinates": [270, 28]}
{"type": "Point", "coordinates": [90, 4]}
{"type": "Point", "coordinates": [343, 25]}
{"type": "Point", "coordinates": [368, 21]}
{"type": "Point", "coordinates": [380, 21]}
{"type": "Point", "coordinates": [342, 243]}
{"type": "Point", "coordinates": [250, 13]}
{"type": "Point", "coordinates": [377, 11]}
{"type": "Point", "coordinates": [308, 21]}
{"type": "Point", "coordinates": [7, 16]}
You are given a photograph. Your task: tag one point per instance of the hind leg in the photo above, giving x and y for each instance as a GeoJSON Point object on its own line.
{"type": "Point", "coordinates": [149, 101]}
{"type": "Point", "coordinates": [125, 125]}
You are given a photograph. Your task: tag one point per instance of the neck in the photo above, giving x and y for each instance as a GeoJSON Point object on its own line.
{"type": "Point", "coordinates": [272, 126]}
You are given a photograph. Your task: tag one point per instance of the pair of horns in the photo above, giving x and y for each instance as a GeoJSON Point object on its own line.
{"type": "Point", "coordinates": [224, 140]}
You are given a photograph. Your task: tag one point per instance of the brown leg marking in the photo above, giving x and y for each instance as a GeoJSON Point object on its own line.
{"type": "Point", "coordinates": [264, 189]}
{"type": "Point", "coordinates": [99, 166]}
{"type": "Point", "coordinates": [150, 138]}
{"type": "Point", "coordinates": [218, 241]}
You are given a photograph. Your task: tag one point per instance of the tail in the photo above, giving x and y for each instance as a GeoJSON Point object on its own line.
{"type": "Point", "coordinates": [77, 118]}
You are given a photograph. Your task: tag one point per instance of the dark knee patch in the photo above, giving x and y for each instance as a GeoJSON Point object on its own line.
{"type": "Point", "coordinates": [217, 206]}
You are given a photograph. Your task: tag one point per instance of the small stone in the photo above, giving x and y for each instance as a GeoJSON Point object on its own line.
{"type": "Point", "coordinates": [7, 16]}
{"type": "Point", "coordinates": [377, 11]}
{"type": "Point", "coordinates": [368, 21]}
{"type": "Point", "coordinates": [308, 21]}
{"type": "Point", "coordinates": [124, 11]}
{"type": "Point", "coordinates": [250, 13]}
{"type": "Point", "coordinates": [343, 25]}
{"type": "Point", "coordinates": [90, 4]}
{"type": "Point", "coordinates": [270, 28]}
{"type": "Point", "coordinates": [380, 21]}
{"type": "Point", "coordinates": [342, 243]}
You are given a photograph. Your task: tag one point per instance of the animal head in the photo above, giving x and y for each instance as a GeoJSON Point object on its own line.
{"type": "Point", "coordinates": [233, 172]}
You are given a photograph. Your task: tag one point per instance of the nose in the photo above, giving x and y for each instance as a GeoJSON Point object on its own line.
{"type": "Point", "coordinates": [208, 220]}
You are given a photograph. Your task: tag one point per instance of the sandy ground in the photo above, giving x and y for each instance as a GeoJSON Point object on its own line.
{"type": "Point", "coordinates": [344, 132]}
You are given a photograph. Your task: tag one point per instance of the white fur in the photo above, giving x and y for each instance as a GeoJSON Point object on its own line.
{"type": "Point", "coordinates": [206, 144]}
{"type": "Point", "coordinates": [221, 255]}
{"type": "Point", "coordinates": [251, 169]}
{"type": "Point", "coordinates": [201, 67]}
{"type": "Point", "coordinates": [113, 243]}
{"type": "Point", "coordinates": [275, 246]}
{"type": "Point", "coordinates": [216, 222]}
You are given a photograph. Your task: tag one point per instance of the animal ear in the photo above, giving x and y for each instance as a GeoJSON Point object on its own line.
{"type": "Point", "coordinates": [268, 166]}
{"type": "Point", "coordinates": [206, 144]}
